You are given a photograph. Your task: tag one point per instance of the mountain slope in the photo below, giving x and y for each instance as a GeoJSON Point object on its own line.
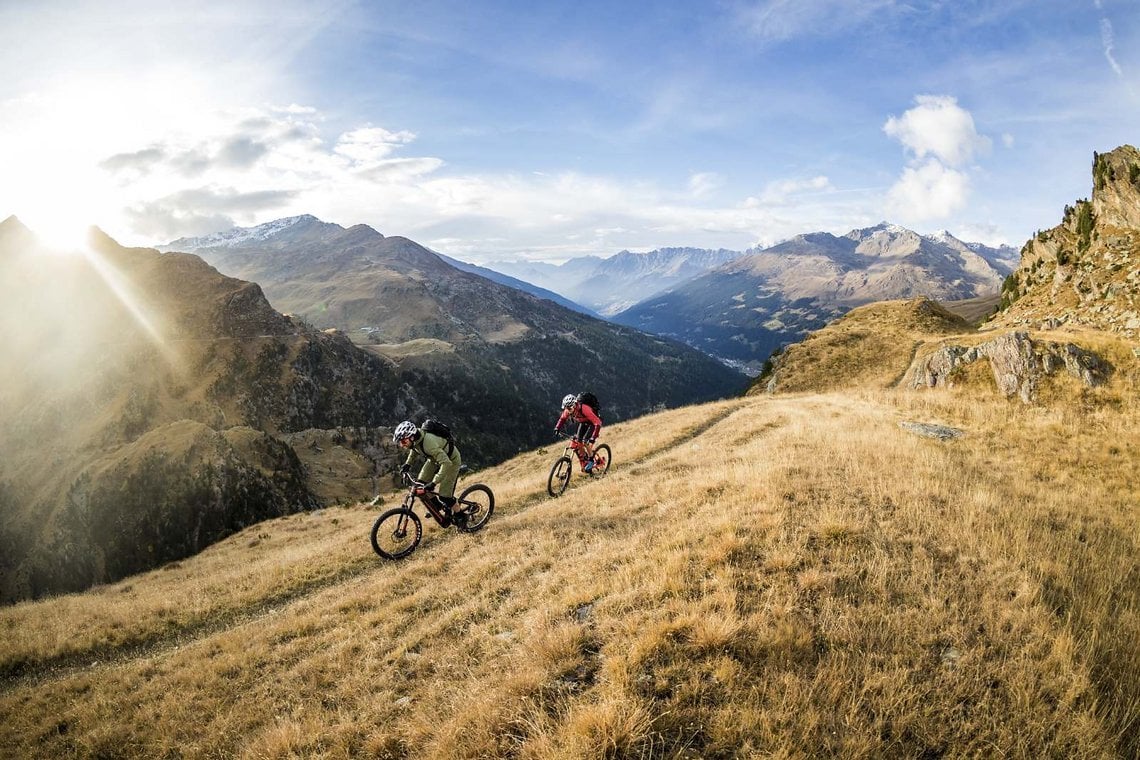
{"type": "Point", "coordinates": [491, 357]}
{"type": "Point", "coordinates": [785, 576]}
{"type": "Point", "coordinates": [745, 309]}
{"type": "Point", "coordinates": [147, 404]}
{"type": "Point", "coordinates": [869, 347]}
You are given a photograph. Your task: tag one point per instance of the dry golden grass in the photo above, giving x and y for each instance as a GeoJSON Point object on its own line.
{"type": "Point", "coordinates": [869, 347]}
{"type": "Point", "coordinates": [789, 576]}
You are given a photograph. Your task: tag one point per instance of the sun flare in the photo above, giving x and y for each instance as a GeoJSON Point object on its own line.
{"type": "Point", "coordinates": [63, 236]}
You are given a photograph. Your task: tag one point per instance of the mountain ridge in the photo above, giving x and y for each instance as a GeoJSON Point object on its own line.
{"type": "Point", "coordinates": [743, 310]}
{"type": "Point", "coordinates": [1085, 271]}
{"type": "Point", "coordinates": [495, 349]}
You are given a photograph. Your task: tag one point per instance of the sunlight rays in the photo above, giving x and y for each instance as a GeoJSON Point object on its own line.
{"type": "Point", "coordinates": [124, 291]}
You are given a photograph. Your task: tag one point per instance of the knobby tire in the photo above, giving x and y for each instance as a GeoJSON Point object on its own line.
{"type": "Point", "coordinates": [401, 528]}
{"type": "Point", "coordinates": [604, 452]}
{"type": "Point", "coordinates": [559, 476]}
{"type": "Point", "coordinates": [478, 503]}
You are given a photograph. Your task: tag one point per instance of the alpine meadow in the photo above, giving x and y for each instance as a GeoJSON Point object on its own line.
{"type": "Point", "coordinates": [772, 576]}
{"type": "Point", "coordinates": [748, 380]}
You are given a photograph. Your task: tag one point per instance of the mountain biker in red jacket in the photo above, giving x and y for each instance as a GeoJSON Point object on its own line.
{"type": "Point", "coordinates": [589, 426]}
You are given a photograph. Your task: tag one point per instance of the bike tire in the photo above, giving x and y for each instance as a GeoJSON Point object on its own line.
{"type": "Point", "coordinates": [477, 502]}
{"type": "Point", "coordinates": [559, 476]}
{"type": "Point", "coordinates": [606, 457]}
{"type": "Point", "coordinates": [396, 533]}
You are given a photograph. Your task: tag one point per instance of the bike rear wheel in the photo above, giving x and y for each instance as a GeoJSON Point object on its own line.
{"type": "Point", "coordinates": [603, 458]}
{"type": "Point", "coordinates": [396, 533]}
{"type": "Point", "coordinates": [559, 476]}
{"type": "Point", "coordinates": [477, 502]}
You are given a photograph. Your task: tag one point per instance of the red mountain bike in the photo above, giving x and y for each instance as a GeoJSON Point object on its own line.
{"type": "Point", "coordinates": [397, 532]}
{"type": "Point", "coordinates": [560, 472]}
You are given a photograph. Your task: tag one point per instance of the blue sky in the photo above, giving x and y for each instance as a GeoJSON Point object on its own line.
{"type": "Point", "coordinates": [504, 130]}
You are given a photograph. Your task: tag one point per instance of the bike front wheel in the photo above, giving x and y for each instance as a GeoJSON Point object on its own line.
{"type": "Point", "coordinates": [477, 502]}
{"type": "Point", "coordinates": [559, 476]}
{"type": "Point", "coordinates": [603, 459]}
{"type": "Point", "coordinates": [396, 533]}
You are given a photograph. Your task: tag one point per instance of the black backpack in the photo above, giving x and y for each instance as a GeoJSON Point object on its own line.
{"type": "Point", "coordinates": [590, 400]}
{"type": "Point", "coordinates": [435, 427]}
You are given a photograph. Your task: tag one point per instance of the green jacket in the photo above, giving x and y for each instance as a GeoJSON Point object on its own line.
{"type": "Point", "coordinates": [443, 459]}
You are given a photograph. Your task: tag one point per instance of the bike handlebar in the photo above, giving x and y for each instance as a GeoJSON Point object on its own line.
{"type": "Point", "coordinates": [408, 480]}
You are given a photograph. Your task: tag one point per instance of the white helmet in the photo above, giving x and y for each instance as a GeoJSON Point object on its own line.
{"type": "Point", "coordinates": [404, 430]}
{"type": "Point", "coordinates": [569, 400]}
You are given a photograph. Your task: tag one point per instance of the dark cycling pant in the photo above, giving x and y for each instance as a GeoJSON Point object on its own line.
{"type": "Point", "coordinates": [586, 431]}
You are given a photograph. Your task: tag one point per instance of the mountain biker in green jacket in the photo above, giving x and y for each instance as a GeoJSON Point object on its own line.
{"type": "Point", "coordinates": [442, 460]}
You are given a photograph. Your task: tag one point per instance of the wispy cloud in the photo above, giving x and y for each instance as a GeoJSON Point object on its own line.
{"type": "Point", "coordinates": [704, 183]}
{"type": "Point", "coordinates": [778, 20]}
{"type": "Point", "coordinates": [782, 191]}
{"type": "Point", "coordinates": [1108, 40]}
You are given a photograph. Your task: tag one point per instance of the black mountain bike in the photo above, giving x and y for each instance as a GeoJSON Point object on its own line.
{"type": "Point", "coordinates": [560, 472]}
{"type": "Point", "coordinates": [397, 532]}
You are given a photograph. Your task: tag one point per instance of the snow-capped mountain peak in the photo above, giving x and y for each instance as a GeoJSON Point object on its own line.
{"type": "Point", "coordinates": [238, 236]}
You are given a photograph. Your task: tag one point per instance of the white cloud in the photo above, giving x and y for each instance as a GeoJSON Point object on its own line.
{"type": "Point", "coordinates": [938, 126]}
{"type": "Point", "coordinates": [250, 165]}
{"type": "Point", "coordinates": [930, 190]}
{"type": "Point", "coordinates": [703, 183]}
{"type": "Point", "coordinates": [781, 191]}
{"type": "Point", "coordinates": [941, 141]}
{"type": "Point", "coordinates": [371, 144]}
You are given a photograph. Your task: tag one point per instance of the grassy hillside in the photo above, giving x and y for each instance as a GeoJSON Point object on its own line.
{"type": "Point", "coordinates": [777, 576]}
{"type": "Point", "coordinates": [869, 347]}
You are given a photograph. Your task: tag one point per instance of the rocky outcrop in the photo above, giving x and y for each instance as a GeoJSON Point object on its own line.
{"type": "Point", "coordinates": [1017, 361]}
{"type": "Point", "coordinates": [1085, 272]}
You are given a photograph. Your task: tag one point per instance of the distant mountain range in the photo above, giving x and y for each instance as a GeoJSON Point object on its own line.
{"type": "Point", "coordinates": [517, 284]}
{"type": "Point", "coordinates": [742, 310]}
{"type": "Point", "coordinates": [610, 285]}
{"type": "Point", "coordinates": [497, 360]}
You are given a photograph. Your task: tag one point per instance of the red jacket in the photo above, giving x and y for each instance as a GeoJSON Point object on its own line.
{"type": "Point", "coordinates": [584, 414]}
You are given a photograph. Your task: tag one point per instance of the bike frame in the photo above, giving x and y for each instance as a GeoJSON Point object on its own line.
{"type": "Point", "coordinates": [412, 497]}
{"type": "Point", "coordinates": [576, 445]}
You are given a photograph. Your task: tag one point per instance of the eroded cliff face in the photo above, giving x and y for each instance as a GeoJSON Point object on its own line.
{"type": "Point", "coordinates": [1085, 272]}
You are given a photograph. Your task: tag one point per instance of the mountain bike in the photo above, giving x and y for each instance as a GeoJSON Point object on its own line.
{"type": "Point", "coordinates": [560, 472]}
{"type": "Point", "coordinates": [397, 532]}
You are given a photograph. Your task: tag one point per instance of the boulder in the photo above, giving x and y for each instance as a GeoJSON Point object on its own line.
{"type": "Point", "coordinates": [1017, 361]}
